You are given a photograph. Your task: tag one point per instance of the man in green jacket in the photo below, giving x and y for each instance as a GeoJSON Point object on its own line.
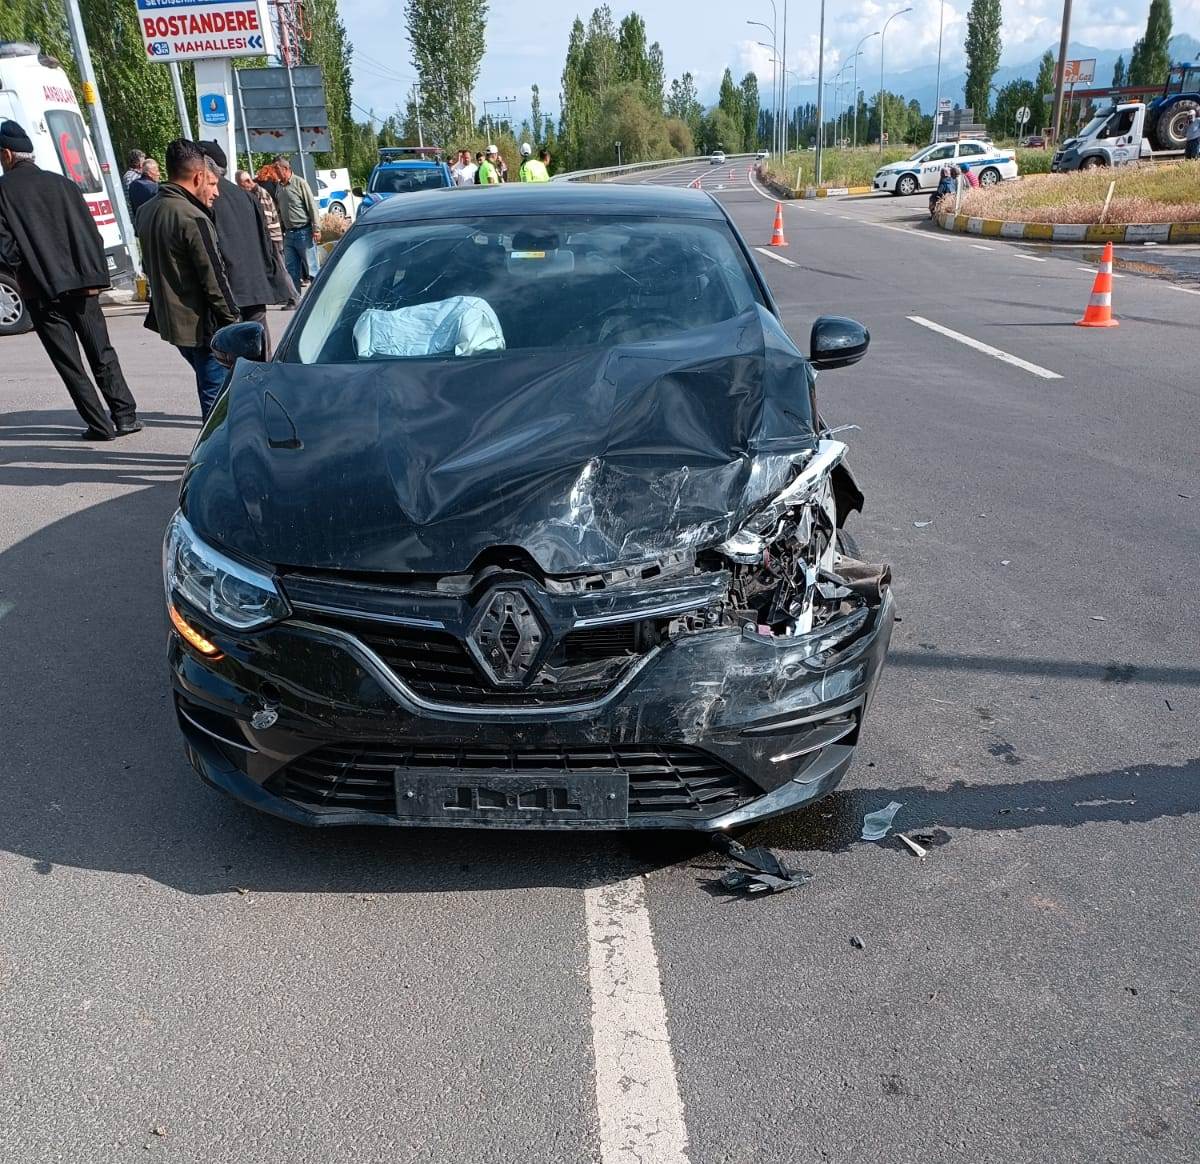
{"type": "Point", "coordinates": [489, 168]}
{"type": "Point", "coordinates": [190, 297]}
{"type": "Point", "coordinates": [299, 217]}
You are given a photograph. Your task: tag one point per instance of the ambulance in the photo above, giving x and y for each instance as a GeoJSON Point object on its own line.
{"type": "Point", "coordinates": [36, 93]}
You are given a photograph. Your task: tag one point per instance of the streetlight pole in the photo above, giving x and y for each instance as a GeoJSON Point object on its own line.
{"type": "Point", "coordinates": [774, 81]}
{"type": "Point", "coordinates": [937, 92]}
{"type": "Point", "coordinates": [1060, 76]}
{"type": "Point", "coordinates": [857, 54]}
{"type": "Point", "coordinates": [820, 92]}
{"type": "Point", "coordinates": [783, 70]}
{"type": "Point", "coordinates": [882, 35]}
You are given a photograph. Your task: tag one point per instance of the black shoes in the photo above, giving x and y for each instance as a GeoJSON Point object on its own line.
{"type": "Point", "coordinates": [133, 426]}
{"type": "Point", "coordinates": [96, 434]}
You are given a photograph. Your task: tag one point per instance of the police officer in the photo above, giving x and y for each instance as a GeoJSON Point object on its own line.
{"type": "Point", "coordinates": [532, 170]}
{"type": "Point", "coordinates": [489, 168]}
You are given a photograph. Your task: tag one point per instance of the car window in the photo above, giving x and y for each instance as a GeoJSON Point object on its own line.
{"type": "Point", "coordinates": [74, 150]}
{"type": "Point", "coordinates": [939, 153]}
{"type": "Point", "coordinates": [970, 150]}
{"type": "Point", "coordinates": [406, 181]}
{"type": "Point", "coordinates": [397, 291]}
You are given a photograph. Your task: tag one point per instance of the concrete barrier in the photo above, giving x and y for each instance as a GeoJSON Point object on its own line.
{"type": "Point", "coordinates": [1075, 232]}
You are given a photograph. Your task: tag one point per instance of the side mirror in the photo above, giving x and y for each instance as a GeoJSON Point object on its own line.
{"type": "Point", "coordinates": [837, 342]}
{"type": "Point", "coordinates": [245, 340]}
{"type": "Point", "coordinates": [357, 191]}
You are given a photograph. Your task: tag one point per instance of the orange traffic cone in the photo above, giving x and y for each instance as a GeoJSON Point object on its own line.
{"type": "Point", "coordinates": [777, 239]}
{"type": "Point", "coordinates": [1099, 308]}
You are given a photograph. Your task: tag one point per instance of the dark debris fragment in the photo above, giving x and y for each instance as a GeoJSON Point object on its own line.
{"type": "Point", "coordinates": [762, 872]}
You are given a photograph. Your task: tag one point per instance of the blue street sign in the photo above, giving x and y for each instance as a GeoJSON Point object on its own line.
{"type": "Point", "coordinates": [214, 110]}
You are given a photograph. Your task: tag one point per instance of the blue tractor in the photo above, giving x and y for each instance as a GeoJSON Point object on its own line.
{"type": "Point", "coordinates": [1167, 116]}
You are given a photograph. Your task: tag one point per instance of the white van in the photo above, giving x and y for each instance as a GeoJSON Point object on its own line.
{"type": "Point", "coordinates": [35, 93]}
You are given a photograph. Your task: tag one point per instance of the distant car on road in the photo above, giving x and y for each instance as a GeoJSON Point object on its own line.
{"type": "Point", "coordinates": [1034, 142]}
{"type": "Point", "coordinates": [921, 171]}
{"type": "Point", "coordinates": [405, 170]}
{"type": "Point", "coordinates": [762, 155]}
{"type": "Point", "coordinates": [716, 158]}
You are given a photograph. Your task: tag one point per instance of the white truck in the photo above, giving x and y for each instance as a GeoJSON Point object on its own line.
{"type": "Point", "coordinates": [36, 93]}
{"type": "Point", "coordinates": [1114, 137]}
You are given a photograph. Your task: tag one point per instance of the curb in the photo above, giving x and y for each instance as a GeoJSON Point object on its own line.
{"type": "Point", "coordinates": [832, 191]}
{"type": "Point", "coordinates": [1076, 232]}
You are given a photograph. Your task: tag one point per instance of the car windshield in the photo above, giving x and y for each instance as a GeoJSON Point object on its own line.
{"type": "Point", "coordinates": [407, 181]}
{"type": "Point", "coordinates": [1092, 126]}
{"type": "Point", "coordinates": [404, 290]}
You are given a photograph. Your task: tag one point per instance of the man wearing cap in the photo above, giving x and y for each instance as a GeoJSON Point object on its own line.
{"type": "Point", "coordinates": [190, 296]}
{"type": "Point", "coordinates": [532, 170]}
{"type": "Point", "coordinates": [244, 243]}
{"type": "Point", "coordinates": [489, 168]}
{"type": "Point", "coordinates": [48, 239]}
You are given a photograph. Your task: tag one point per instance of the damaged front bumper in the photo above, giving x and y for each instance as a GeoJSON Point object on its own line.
{"type": "Point", "coordinates": [316, 721]}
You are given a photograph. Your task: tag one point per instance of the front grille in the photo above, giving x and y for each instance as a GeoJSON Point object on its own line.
{"type": "Point", "coordinates": [663, 781]}
{"type": "Point", "coordinates": [436, 665]}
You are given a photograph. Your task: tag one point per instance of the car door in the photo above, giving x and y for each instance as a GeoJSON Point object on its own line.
{"type": "Point", "coordinates": [931, 165]}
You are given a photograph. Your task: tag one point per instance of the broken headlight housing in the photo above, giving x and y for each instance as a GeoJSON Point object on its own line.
{"type": "Point", "coordinates": [236, 595]}
{"type": "Point", "coordinates": [790, 577]}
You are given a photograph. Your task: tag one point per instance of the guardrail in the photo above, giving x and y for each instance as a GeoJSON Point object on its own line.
{"type": "Point", "coordinates": [637, 167]}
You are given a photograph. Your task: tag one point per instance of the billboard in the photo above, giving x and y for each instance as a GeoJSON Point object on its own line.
{"type": "Point", "coordinates": [185, 30]}
{"type": "Point", "coordinates": [1079, 72]}
{"type": "Point", "coordinates": [265, 111]}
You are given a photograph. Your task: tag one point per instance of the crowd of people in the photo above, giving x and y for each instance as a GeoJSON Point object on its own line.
{"type": "Point", "coordinates": [490, 169]}
{"type": "Point", "coordinates": [214, 251]}
{"type": "Point", "coordinates": [948, 183]}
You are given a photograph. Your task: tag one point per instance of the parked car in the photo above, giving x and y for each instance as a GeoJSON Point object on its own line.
{"type": "Point", "coordinates": [335, 195]}
{"type": "Point", "coordinates": [14, 318]}
{"type": "Point", "coordinates": [490, 541]}
{"type": "Point", "coordinates": [404, 170]}
{"type": "Point", "coordinates": [1034, 142]}
{"type": "Point", "coordinates": [921, 171]}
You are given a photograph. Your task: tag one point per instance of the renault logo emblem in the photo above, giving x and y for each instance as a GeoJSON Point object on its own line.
{"type": "Point", "coordinates": [508, 638]}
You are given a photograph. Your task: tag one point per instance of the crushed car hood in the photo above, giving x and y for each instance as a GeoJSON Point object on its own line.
{"type": "Point", "coordinates": [586, 459]}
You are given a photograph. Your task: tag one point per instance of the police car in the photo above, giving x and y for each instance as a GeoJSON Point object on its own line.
{"type": "Point", "coordinates": [405, 170]}
{"type": "Point", "coordinates": [334, 194]}
{"type": "Point", "coordinates": [924, 168]}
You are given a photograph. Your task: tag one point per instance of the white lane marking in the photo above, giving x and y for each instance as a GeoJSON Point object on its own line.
{"type": "Point", "coordinates": [850, 217]}
{"type": "Point", "coordinates": [637, 1093]}
{"type": "Point", "coordinates": [987, 349]}
{"type": "Point", "coordinates": [1185, 290]}
{"type": "Point", "coordinates": [5, 607]}
{"type": "Point", "coordinates": [981, 247]}
{"type": "Point", "coordinates": [912, 233]}
{"type": "Point", "coordinates": [778, 258]}
{"type": "Point", "coordinates": [1031, 258]}
{"type": "Point", "coordinates": [1093, 270]}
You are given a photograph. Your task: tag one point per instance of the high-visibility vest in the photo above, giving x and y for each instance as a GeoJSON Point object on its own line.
{"type": "Point", "coordinates": [489, 173]}
{"type": "Point", "coordinates": [533, 170]}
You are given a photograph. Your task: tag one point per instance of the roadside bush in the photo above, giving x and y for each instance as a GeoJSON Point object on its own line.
{"type": "Point", "coordinates": [1143, 194]}
{"type": "Point", "coordinates": [332, 227]}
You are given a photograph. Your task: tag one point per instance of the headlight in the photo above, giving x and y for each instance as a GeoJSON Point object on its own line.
{"type": "Point", "coordinates": [236, 595]}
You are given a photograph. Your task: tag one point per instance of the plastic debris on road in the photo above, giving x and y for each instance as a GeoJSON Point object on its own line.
{"type": "Point", "coordinates": [763, 873]}
{"type": "Point", "coordinates": [877, 824]}
{"type": "Point", "coordinates": [920, 852]}
{"type": "Point", "coordinates": [923, 524]}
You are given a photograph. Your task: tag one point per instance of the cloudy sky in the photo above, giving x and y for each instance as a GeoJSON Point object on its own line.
{"type": "Point", "coordinates": [527, 39]}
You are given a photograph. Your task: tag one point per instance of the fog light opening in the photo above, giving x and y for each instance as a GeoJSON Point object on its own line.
{"type": "Point", "coordinates": [191, 636]}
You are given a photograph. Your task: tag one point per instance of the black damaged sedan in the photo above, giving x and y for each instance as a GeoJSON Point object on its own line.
{"type": "Point", "coordinates": [529, 522]}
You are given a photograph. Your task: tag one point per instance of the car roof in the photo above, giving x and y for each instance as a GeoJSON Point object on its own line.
{"type": "Point", "coordinates": [410, 164]}
{"type": "Point", "coordinates": [561, 198]}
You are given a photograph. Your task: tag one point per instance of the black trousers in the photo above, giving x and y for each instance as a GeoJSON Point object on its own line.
{"type": "Point", "coordinates": [65, 325]}
{"type": "Point", "coordinates": [257, 314]}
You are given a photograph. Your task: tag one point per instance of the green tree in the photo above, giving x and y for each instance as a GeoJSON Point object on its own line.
{"type": "Point", "coordinates": [729, 101]}
{"type": "Point", "coordinates": [749, 98]}
{"type": "Point", "coordinates": [1003, 122]}
{"type": "Point", "coordinates": [1042, 108]}
{"type": "Point", "coordinates": [623, 117]}
{"type": "Point", "coordinates": [447, 39]}
{"type": "Point", "coordinates": [679, 134]}
{"type": "Point", "coordinates": [983, 53]}
{"type": "Point", "coordinates": [683, 102]}
{"type": "Point", "coordinates": [535, 112]}
{"type": "Point", "coordinates": [1151, 59]}
{"type": "Point", "coordinates": [721, 130]}
{"type": "Point", "coordinates": [575, 102]}
{"type": "Point", "coordinates": [1118, 73]}
{"type": "Point", "coordinates": [631, 50]}
{"type": "Point", "coordinates": [655, 77]}
{"type": "Point", "coordinates": [329, 46]}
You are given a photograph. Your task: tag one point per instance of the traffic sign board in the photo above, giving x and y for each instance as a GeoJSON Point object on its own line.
{"type": "Point", "coordinates": [188, 30]}
{"type": "Point", "coordinates": [1023, 114]}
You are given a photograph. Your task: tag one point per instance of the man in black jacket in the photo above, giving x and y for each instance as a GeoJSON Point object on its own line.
{"type": "Point", "coordinates": [49, 240]}
{"type": "Point", "coordinates": [244, 243]}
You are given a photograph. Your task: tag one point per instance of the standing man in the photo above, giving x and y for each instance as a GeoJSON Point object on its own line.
{"type": "Point", "coordinates": [544, 157]}
{"type": "Point", "coordinates": [531, 169]}
{"type": "Point", "coordinates": [466, 169]}
{"type": "Point", "coordinates": [190, 297]}
{"type": "Point", "coordinates": [489, 168]}
{"type": "Point", "coordinates": [48, 239]}
{"type": "Point", "coordinates": [244, 243]}
{"type": "Point", "coordinates": [133, 168]}
{"type": "Point", "coordinates": [299, 219]}
{"type": "Point", "coordinates": [280, 279]}
{"type": "Point", "coordinates": [1191, 143]}
{"type": "Point", "coordinates": [144, 186]}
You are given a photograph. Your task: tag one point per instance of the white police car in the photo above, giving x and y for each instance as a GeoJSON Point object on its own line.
{"type": "Point", "coordinates": [334, 194]}
{"type": "Point", "coordinates": [922, 170]}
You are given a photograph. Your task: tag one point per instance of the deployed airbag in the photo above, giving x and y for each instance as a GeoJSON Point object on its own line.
{"type": "Point", "coordinates": [459, 326]}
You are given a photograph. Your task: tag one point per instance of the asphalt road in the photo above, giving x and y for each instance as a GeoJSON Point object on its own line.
{"type": "Point", "coordinates": [1027, 992]}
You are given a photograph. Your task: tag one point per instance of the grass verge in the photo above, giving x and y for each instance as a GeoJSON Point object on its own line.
{"type": "Point", "coordinates": [1169, 193]}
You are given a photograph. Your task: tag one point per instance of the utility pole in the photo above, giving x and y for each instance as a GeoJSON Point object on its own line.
{"type": "Point", "coordinates": [416, 91]}
{"type": "Point", "coordinates": [820, 93]}
{"type": "Point", "coordinates": [109, 165]}
{"type": "Point", "coordinates": [882, 38]}
{"type": "Point", "coordinates": [185, 122]}
{"type": "Point", "coordinates": [937, 98]}
{"type": "Point", "coordinates": [784, 70]}
{"type": "Point", "coordinates": [1060, 76]}
{"type": "Point", "coordinates": [857, 54]}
